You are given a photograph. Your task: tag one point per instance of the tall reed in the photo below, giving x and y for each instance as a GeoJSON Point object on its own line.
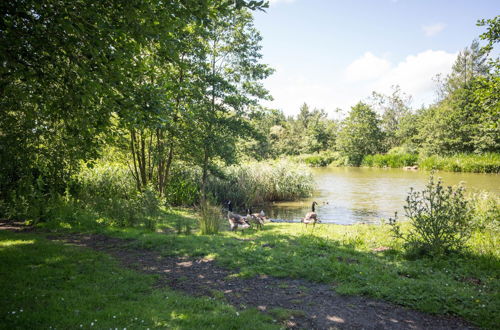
{"type": "Point", "coordinates": [257, 182]}
{"type": "Point", "coordinates": [210, 219]}
{"type": "Point", "coordinates": [485, 163]}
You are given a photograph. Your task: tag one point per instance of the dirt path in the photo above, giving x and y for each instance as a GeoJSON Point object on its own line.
{"type": "Point", "coordinates": [317, 305]}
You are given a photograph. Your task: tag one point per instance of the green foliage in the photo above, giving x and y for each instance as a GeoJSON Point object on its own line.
{"type": "Point", "coordinates": [395, 109]}
{"type": "Point", "coordinates": [486, 163]}
{"type": "Point", "coordinates": [254, 183]}
{"type": "Point", "coordinates": [210, 218]}
{"type": "Point", "coordinates": [321, 159]}
{"type": "Point", "coordinates": [109, 190]}
{"type": "Point", "coordinates": [360, 134]}
{"type": "Point", "coordinates": [440, 219]}
{"type": "Point", "coordinates": [390, 160]}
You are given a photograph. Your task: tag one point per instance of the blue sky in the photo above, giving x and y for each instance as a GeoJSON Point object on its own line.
{"type": "Point", "coordinates": [334, 53]}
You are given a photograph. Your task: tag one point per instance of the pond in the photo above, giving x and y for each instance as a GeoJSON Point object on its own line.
{"type": "Point", "coordinates": [348, 195]}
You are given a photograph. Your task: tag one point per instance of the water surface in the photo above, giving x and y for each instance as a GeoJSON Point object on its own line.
{"type": "Point", "coordinates": [348, 195]}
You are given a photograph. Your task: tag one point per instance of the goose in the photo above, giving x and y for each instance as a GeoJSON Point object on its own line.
{"type": "Point", "coordinates": [256, 218]}
{"type": "Point", "coordinates": [311, 217]}
{"type": "Point", "coordinates": [236, 220]}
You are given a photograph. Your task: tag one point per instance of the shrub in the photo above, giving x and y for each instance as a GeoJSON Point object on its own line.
{"type": "Point", "coordinates": [210, 218]}
{"type": "Point", "coordinates": [321, 159]}
{"type": "Point", "coordinates": [440, 220]}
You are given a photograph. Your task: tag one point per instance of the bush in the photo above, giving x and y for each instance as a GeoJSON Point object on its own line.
{"type": "Point", "coordinates": [321, 159]}
{"type": "Point", "coordinates": [440, 220]}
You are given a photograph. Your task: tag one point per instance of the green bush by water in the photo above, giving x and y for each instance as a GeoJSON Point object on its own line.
{"type": "Point", "coordinates": [321, 159]}
{"type": "Point", "coordinates": [441, 221]}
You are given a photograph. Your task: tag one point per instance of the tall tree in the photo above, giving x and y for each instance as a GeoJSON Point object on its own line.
{"type": "Point", "coordinates": [394, 109]}
{"type": "Point", "coordinates": [360, 134]}
{"type": "Point", "coordinates": [229, 82]}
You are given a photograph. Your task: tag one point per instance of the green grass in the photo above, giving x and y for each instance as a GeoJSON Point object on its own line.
{"type": "Point", "coordinates": [48, 285]}
{"type": "Point", "coordinates": [343, 257]}
{"type": "Point", "coordinates": [467, 285]}
{"type": "Point", "coordinates": [487, 163]}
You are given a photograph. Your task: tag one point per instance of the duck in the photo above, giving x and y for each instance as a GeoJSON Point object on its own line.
{"type": "Point", "coordinates": [311, 217]}
{"type": "Point", "coordinates": [236, 220]}
{"type": "Point", "coordinates": [256, 218]}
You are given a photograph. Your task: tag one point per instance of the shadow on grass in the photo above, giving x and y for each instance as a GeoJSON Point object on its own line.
{"type": "Point", "coordinates": [45, 284]}
{"type": "Point", "coordinates": [465, 285]}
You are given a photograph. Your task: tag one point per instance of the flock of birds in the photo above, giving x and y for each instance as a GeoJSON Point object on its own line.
{"type": "Point", "coordinates": [238, 221]}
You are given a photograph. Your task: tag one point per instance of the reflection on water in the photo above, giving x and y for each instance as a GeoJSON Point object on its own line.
{"type": "Point", "coordinates": [351, 195]}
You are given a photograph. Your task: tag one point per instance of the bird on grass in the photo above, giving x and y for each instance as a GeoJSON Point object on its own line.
{"type": "Point", "coordinates": [236, 220]}
{"type": "Point", "coordinates": [256, 218]}
{"type": "Point", "coordinates": [311, 217]}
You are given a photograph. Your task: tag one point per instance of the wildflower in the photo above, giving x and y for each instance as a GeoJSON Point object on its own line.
{"type": "Point", "coordinates": [237, 314]}
{"type": "Point", "coordinates": [91, 324]}
{"type": "Point", "coordinates": [114, 316]}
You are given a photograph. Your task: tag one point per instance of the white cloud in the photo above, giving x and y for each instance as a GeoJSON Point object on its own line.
{"type": "Point", "coordinates": [433, 29]}
{"type": "Point", "coordinates": [416, 72]}
{"type": "Point", "coordinates": [366, 67]}
{"type": "Point", "coordinates": [368, 73]}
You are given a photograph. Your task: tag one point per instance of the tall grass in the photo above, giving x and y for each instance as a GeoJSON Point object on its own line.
{"type": "Point", "coordinates": [486, 163]}
{"type": "Point", "coordinates": [257, 182]}
{"type": "Point", "coordinates": [210, 219]}
{"type": "Point", "coordinates": [390, 160]}
{"type": "Point", "coordinates": [109, 190]}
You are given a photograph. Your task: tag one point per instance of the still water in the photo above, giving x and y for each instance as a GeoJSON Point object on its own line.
{"type": "Point", "coordinates": [351, 195]}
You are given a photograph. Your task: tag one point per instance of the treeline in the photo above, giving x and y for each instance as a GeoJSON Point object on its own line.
{"type": "Point", "coordinates": [464, 119]}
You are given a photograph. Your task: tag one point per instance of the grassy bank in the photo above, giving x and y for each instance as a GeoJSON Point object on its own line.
{"type": "Point", "coordinates": [487, 163]}
{"type": "Point", "coordinates": [390, 160]}
{"type": "Point", "coordinates": [344, 256]}
{"type": "Point", "coordinates": [42, 281]}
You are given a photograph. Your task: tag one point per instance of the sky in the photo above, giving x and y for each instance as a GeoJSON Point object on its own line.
{"type": "Point", "coordinates": [333, 53]}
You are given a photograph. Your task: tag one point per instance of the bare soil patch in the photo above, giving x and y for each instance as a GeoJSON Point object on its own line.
{"type": "Point", "coordinates": [316, 306]}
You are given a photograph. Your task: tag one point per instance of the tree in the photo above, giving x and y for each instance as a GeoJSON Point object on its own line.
{"type": "Point", "coordinates": [360, 134]}
{"type": "Point", "coordinates": [395, 108]}
{"type": "Point", "coordinates": [228, 84]}
{"type": "Point", "coordinates": [471, 63]}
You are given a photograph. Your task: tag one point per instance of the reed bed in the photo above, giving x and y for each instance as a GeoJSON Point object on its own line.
{"type": "Point", "coordinates": [390, 160]}
{"type": "Point", "coordinates": [485, 163]}
{"type": "Point", "coordinates": [258, 182]}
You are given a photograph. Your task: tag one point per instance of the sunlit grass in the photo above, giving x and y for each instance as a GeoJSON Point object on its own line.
{"type": "Point", "coordinates": [47, 285]}
{"type": "Point", "coordinates": [357, 259]}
